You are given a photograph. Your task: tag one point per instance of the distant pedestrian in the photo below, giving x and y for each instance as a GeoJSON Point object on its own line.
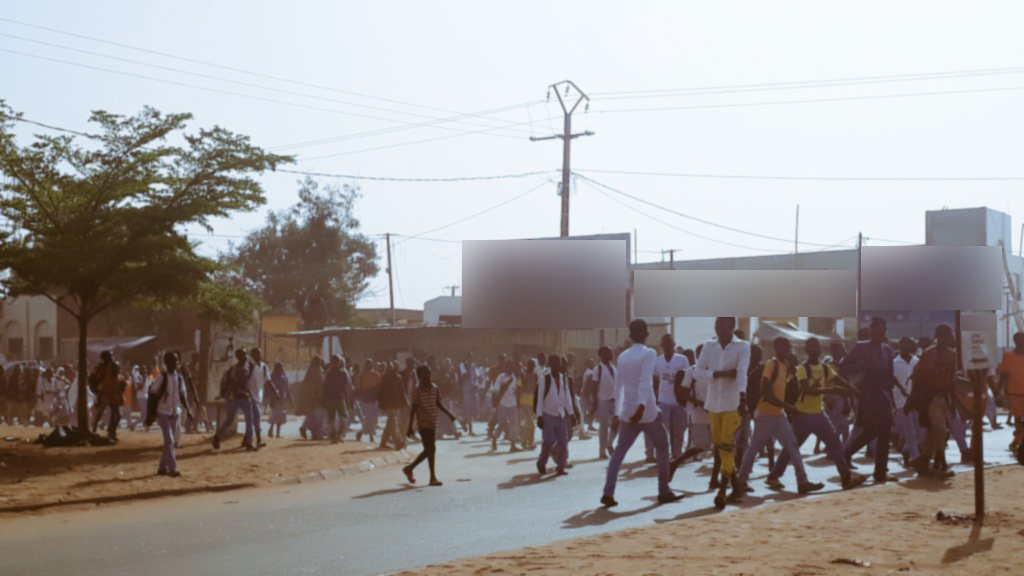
{"type": "Point", "coordinates": [280, 398]}
{"type": "Point", "coordinates": [171, 396]}
{"type": "Point", "coordinates": [469, 407]}
{"type": "Point", "coordinates": [109, 388]}
{"type": "Point", "coordinates": [392, 399]}
{"type": "Point", "coordinates": [309, 399]}
{"type": "Point", "coordinates": [426, 403]}
{"type": "Point", "coordinates": [554, 412]}
{"type": "Point", "coordinates": [367, 390]}
{"type": "Point", "coordinates": [667, 366]}
{"type": "Point", "coordinates": [1011, 376]}
{"type": "Point", "coordinates": [527, 394]}
{"type": "Point", "coordinates": [507, 409]}
{"type": "Point", "coordinates": [335, 392]}
{"type": "Point", "coordinates": [605, 378]}
{"type": "Point", "coordinates": [933, 396]}
{"type": "Point", "coordinates": [258, 380]}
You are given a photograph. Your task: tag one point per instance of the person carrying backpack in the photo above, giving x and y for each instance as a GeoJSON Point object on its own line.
{"type": "Point", "coordinates": [816, 380]}
{"type": "Point", "coordinates": [167, 396]}
{"type": "Point", "coordinates": [771, 422]}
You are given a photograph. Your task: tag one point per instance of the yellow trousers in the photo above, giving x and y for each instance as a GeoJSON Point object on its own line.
{"type": "Point", "coordinates": [723, 435]}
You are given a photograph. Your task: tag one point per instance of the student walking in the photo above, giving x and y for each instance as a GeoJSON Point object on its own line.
{"type": "Point", "coordinates": [367, 389]}
{"type": "Point", "coordinates": [723, 362]}
{"type": "Point", "coordinates": [335, 388]}
{"type": "Point", "coordinates": [392, 398]}
{"type": "Point", "coordinates": [258, 380]}
{"type": "Point", "coordinates": [426, 403]}
{"type": "Point", "coordinates": [636, 410]}
{"type": "Point", "coordinates": [554, 411]}
{"type": "Point", "coordinates": [310, 398]}
{"type": "Point", "coordinates": [171, 396]}
{"type": "Point", "coordinates": [1011, 377]}
{"type": "Point", "coordinates": [816, 381]}
{"type": "Point", "coordinates": [234, 388]}
{"type": "Point", "coordinates": [905, 420]}
{"type": "Point", "coordinates": [508, 407]}
{"type": "Point", "coordinates": [527, 396]}
{"type": "Point", "coordinates": [468, 408]}
{"type": "Point", "coordinates": [604, 375]}
{"type": "Point", "coordinates": [873, 359]}
{"type": "Point", "coordinates": [280, 397]}
{"type": "Point", "coordinates": [667, 366]}
{"type": "Point", "coordinates": [933, 396]}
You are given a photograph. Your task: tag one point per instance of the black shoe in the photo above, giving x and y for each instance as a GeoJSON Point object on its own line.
{"type": "Point", "coordinates": [359, 436]}
{"type": "Point", "coordinates": [161, 472]}
{"type": "Point", "coordinates": [541, 469]}
{"type": "Point", "coordinates": [808, 487]}
{"type": "Point", "coordinates": [720, 501]}
{"type": "Point", "coordinates": [670, 498]}
{"type": "Point", "coordinates": [249, 447]}
{"type": "Point", "coordinates": [561, 473]}
{"type": "Point", "coordinates": [216, 442]}
{"type": "Point", "coordinates": [302, 432]}
{"type": "Point", "coordinates": [174, 474]}
{"type": "Point", "coordinates": [608, 501]}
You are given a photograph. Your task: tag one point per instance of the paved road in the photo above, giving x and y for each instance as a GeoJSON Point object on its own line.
{"type": "Point", "coordinates": [374, 523]}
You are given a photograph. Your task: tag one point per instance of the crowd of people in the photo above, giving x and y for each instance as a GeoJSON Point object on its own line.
{"type": "Point", "coordinates": [725, 400]}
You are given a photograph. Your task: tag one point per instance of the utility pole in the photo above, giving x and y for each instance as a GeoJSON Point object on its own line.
{"type": "Point", "coordinates": [860, 243]}
{"type": "Point", "coordinates": [796, 237]}
{"type": "Point", "coordinates": [391, 288]}
{"type": "Point", "coordinates": [452, 287]}
{"type": "Point", "coordinates": [566, 137]}
{"type": "Point", "coordinates": [671, 266]}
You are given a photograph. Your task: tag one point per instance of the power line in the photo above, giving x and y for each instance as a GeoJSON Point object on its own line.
{"type": "Point", "coordinates": [673, 226]}
{"type": "Point", "coordinates": [815, 100]}
{"type": "Point", "coordinates": [279, 90]}
{"type": "Point", "coordinates": [694, 218]}
{"type": "Point", "coordinates": [395, 179]}
{"type": "Point", "coordinates": [251, 96]}
{"type": "Point", "coordinates": [223, 67]}
{"type": "Point", "coordinates": [474, 215]}
{"type": "Point", "coordinates": [825, 83]}
{"type": "Point", "coordinates": [809, 178]}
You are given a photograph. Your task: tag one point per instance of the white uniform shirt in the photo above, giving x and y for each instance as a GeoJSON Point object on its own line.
{"type": "Point", "coordinates": [666, 372]}
{"type": "Point", "coordinates": [605, 376]}
{"type": "Point", "coordinates": [260, 375]}
{"type": "Point", "coordinates": [170, 403]}
{"type": "Point", "coordinates": [724, 393]}
{"type": "Point", "coordinates": [634, 384]}
{"type": "Point", "coordinates": [508, 400]}
{"type": "Point", "coordinates": [902, 370]}
{"type": "Point", "coordinates": [699, 391]}
{"type": "Point", "coordinates": [557, 402]}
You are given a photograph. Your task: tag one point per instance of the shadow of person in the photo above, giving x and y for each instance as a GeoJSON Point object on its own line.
{"type": "Point", "coordinates": [973, 546]}
{"type": "Point", "coordinates": [602, 516]}
{"type": "Point", "coordinates": [522, 480]}
{"type": "Point", "coordinates": [404, 488]}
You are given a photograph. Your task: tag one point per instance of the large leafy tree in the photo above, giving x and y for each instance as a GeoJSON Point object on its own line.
{"type": "Point", "coordinates": [311, 257]}
{"type": "Point", "coordinates": [98, 220]}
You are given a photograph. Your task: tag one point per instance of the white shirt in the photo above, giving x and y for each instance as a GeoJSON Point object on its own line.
{"type": "Point", "coordinates": [605, 376]}
{"type": "Point", "coordinates": [260, 375]}
{"type": "Point", "coordinates": [902, 370]}
{"type": "Point", "coordinates": [666, 372]}
{"type": "Point", "coordinates": [558, 401]}
{"type": "Point", "coordinates": [508, 400]}
{"type": "Point", "coordinates": [46, 387]}
{"type": "Point", "coordinates": [170, 403]}
{"type": "Point", "coordinates": [724, 393]}
{"type": "Point", "coordinates": [634, 384]}
{"type": "Point", "coordinates": [698, 391]}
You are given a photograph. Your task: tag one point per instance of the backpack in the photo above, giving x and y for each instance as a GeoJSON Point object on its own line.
{"type": "Point", "coordinates": [153, 401]}
{"type": "Point", "coordinates": [792, 393]}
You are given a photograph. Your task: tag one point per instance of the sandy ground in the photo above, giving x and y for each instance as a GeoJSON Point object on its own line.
{"type": "Point", "coordinates": [36, 480]}
{"type": "Point", "coordinates": [894, 528]}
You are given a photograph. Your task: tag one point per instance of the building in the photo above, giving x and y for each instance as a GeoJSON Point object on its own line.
{"type": "Point", "coordinates": [961, 227]}
{"type": "Point", "coordinates": [443, 311]}
{"type": "Point", "coordinates": [382, 316]}
{"type": "Point", "coordinates": [28, 329]}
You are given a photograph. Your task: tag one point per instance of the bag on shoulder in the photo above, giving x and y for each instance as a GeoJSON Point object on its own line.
{"type": "Point", "coordinates": [153, 401]}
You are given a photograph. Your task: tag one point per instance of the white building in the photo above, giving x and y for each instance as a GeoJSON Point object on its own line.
{"type": "Point", "coordinates": [28, 329]}
{"type": "Point", "coordinates": [443, 310]}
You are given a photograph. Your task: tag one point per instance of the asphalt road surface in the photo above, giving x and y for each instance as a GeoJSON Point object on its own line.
{"type": "Point", "coordinates": [375, 522]}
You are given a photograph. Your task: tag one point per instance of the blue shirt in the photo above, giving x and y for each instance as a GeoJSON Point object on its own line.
{"type": "Point", "coordinates": [874, 362]}
{"type": "Point", "coordinates": [336, 384]}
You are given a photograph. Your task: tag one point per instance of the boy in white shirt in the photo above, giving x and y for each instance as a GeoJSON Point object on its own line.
{"type": "Point", "coordinates": [172, 396]}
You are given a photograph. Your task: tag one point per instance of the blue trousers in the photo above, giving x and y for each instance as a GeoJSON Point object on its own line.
{"type": "Point", "coordinates": [628, 433]}
{"type": "Point", "coordinates": [605, 435]}
{"type": "Point", "coordinates": [556, 432]}
{"type": "Point", "coordinates": [767, 427]}
{"type": "Point", "coordinates": [233, 408]}
{"type": "Point", "coordinates": [818, 424]}
{"type": "Point", "coordinates": [675, 420]}
{"type": "Point", "coordinates": [168, 460]}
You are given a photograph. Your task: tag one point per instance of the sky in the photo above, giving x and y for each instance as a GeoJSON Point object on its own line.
{"type": "Point", "coordinates": [856, 99]}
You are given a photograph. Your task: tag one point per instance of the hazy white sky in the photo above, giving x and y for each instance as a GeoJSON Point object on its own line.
{"type": "Point", "coordinates": [472, 56]}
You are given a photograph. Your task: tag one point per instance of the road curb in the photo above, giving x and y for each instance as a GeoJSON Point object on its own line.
{"type": "Point", "coordinates": [367, 465]}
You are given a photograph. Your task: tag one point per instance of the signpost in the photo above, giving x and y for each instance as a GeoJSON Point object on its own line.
{"type": "Point", "coordinates": [976, 355]}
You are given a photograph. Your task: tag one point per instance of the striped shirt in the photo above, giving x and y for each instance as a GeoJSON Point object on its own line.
{"type": "Point", "coordinates": [425, 401]}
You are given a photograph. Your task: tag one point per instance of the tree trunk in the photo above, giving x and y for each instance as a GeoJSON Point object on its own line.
{"type": "Point", "coordinates": [83, 373]}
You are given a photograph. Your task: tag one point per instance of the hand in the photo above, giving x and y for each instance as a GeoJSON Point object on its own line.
{"type": "Point", "coordinates": [742, 408]}
{"type": "Point", "coordinates": [410, 433]}
{"type": "Point", "coordinates": [573, 421]}
{"type": "Point", "coordinates": [540, 422]}
{"type": "Point", "coordinates": [731, 373]}
{"type": "Point", "coordinates": [638, 415]}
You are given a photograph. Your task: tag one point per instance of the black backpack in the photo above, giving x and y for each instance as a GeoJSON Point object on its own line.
{"type": "Point", "coordinates": [792, 394]}
{"type": "Point", "coordinates": [153, 400]}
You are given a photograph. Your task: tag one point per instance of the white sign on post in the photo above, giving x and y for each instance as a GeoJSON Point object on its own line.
{"type": "Point", "coordinates": [978, 349]}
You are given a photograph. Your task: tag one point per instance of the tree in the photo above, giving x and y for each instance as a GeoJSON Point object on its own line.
{"type": "Point", "coordinates": [102, 225]}
{"type": "Point", "coordinates": [311, 257]}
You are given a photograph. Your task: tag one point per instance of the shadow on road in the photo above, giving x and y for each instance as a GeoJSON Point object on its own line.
{"type": "Point", "coordinates": [602, 516]}
{"type": "Point", "coordinates": [973, 546]}
{"type": "Point", "coordinates": [522, 480]}
{"type": "Point", "coordinates": [404, 488]}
